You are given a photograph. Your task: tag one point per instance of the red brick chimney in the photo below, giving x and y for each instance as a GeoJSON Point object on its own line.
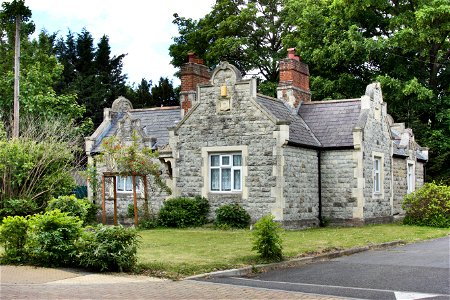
{"type": "Point", "coordinates": [193, 73]}
{"type": "Point", "coordinates": [293, 87]}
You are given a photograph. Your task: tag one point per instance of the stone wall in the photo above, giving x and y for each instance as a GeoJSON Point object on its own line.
{"type": "Point", "coordinates": [376, 142]}
{"type": "Point", "coordinates": [214, 125]}
{"type": "Point", "coordinates": [420, 174]}
{"type": "Point", "coordinates": [300, 192]}
{"type": "Point", "coordinates": [337, 184]}
{"type": "Point", "coordinates": [400, 185]}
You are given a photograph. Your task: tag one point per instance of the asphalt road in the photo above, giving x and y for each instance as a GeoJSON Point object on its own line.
{"type": "Point", "coordinates": [414, 271]}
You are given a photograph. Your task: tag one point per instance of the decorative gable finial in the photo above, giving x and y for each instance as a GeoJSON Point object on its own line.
{"type": "Point", "coordinates": [373, 90]}
{"type": "Point", "coordinates": [121, 104]}
{"type": "Point", "coordinates": [225, 74]}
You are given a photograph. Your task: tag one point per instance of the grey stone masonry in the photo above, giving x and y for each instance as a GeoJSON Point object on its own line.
{"type": "Point", "coordinates": [300, 192]}
{"type": "Point", "coordinates": [226, 119]}
{"type": "Point", "coordinates": [420, 173]}
{"type": "Point", "coordinates": [399, 184]}
{"type": "Point", "coordinates": [376, 143]}
{"type": "Point", "coordinates": [337, 184]}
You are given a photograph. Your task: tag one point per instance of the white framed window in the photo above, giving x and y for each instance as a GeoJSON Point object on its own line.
{"type": "Point", "coordinates": [377, 174]}
{"type": "Point", "coordinates": [125, 184]}
{"type": "Point", "coordinates": [410, 177]}
{"type": "Point", "coordinates": [225, 172]}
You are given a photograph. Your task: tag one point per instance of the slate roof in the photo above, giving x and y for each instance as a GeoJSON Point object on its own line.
{"type": "Point", "coordinates": [332, 121]}
{"type": "Point", "coordinates": [154, 121]}
{"type": "Point", "coordinates": [298, 130]}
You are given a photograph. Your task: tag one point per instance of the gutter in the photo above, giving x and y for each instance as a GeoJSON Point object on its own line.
{"type": "Point", "coordinates": [319, 148]}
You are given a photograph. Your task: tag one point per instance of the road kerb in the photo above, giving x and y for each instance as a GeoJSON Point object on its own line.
{"type": "Point", "coordinates": [294, 262]}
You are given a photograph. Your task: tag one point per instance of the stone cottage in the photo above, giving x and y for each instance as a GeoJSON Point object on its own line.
{"type": "Point", "coordinates": [303, 161]}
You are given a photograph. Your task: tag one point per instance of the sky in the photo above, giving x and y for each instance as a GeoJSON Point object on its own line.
{"type": "Point", "coordinates": [142, 29]}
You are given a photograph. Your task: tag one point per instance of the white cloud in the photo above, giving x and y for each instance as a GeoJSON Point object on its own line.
{"type": "Point", "coordinates": [143, 29]}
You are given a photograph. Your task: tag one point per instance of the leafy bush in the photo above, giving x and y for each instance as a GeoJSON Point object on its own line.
{"type": "Point", "coordinates": [82, 208]}
{"type": "Point", "coordinates": [184, 212]}
{"type": "Point", "coordinates": [51, 238]}
{"type": "Point", "coordinates": [35, 167]}
{"type": "Point", "coordinates": [91, 211]}
{"type": "Point", "coordinates": [232, 215]}
{"type": "Point", "coordinates": [108, 248]}
{"type": "Point", "coordinates": [18, 207]}
{"type": "Point", "coordinates": [68, 204]}
{"type": "Point", "coordinates": [428, 206]}
{"type": "Point", "coordinates": [147, 223]}
{"type": "Point", "coordinates": [13, 237]}
{"type": "Point", "coordinates": [267, 240]}
{"type": "Point", "coordinates": [130, 211]}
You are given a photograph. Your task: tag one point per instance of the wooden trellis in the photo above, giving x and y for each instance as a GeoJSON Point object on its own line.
{"type": "Point", "coordinates": [114, 175]}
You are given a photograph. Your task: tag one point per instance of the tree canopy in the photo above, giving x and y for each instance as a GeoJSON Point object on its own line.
{"type": "Point", "coordinates": [347, 44]}
{"type": "Point", "coordinates": [40, 72]}
{"type": "Point", "coordinates": [247, 34]}
{"type": "Point", "coordinates": [147, 95]}
{"type": "Point", "coordinates": [71, 76]}
{"type": "Point", "coordinates": [90, 72]}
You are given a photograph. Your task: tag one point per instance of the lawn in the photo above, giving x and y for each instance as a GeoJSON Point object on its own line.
{"type": "Point", "coordinates": [177, 253]}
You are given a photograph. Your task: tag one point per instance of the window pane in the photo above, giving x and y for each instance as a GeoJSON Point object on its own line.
{"type": "Point", "coordinates": [138, 181]}
{"type": "Point", "coordinates": [225, 160]}
{"type": "Point", "coordinates": [376, 182]}
{"type": "Point", "coordinates": [215, 160]}
{"type": "Point", "coordinates": [410, 178]}
{"type": "Point", "coordinates": [237, 160]}
{"type": "Point", "coordinates": [120, 183]}
{"type": "Point", "coordinates": [226, 179]}
{"type": "Point", "coordinates": [237, 179]}
{"type": "Point", "coordinates": [129, 184]}
{"type": "Point", "coordinates": [215, 179]}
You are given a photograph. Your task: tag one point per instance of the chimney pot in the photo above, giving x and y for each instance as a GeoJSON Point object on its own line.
{"type": "Point", "coordinates": [192, 57]}
{"type": "Point", "coordinates": [291, 54]}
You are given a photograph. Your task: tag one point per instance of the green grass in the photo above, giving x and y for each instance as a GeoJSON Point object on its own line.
{"type": "Point", "coordinates": [177, 253]}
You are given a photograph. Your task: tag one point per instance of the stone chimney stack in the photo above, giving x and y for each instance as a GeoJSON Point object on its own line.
{"type": "Point", "coordinates": [293, 87]}
{"type": "Point", "coordinates": [192, 73]}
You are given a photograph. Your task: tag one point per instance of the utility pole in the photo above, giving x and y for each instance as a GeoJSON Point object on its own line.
{"type": "Point", "coordinates": [15, 133]}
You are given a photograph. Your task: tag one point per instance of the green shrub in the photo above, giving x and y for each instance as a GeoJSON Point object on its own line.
{"type": "Point", "coordinates": [13, 237]}
{"type": "Point", "coordinates": [130, 211]}
{"type": "Point", "coordinates": [82, 208]}
{"type": "Point", "coordinates": [91, 211]}
{"type": "Point", "coordinates": [18, 207]}
{"type": "Point", "coordinates": [184, 212]}
{"type": "Point", "coordinates": [108, 248]}
{"type": "Point", "coordinates": [68, 204]}
{"type": "Point", "coordinates": [34, 168]}
{"type": "Point", "coordinates": [52, 237]}
{"type": "Point", "coordinates": [147, 223]}
{"type": "Point", "coordinates": [232, 215]}
{"type": "Point", "coordinates": [267, 240]}
{"type": "Point", "coordinates": [428, 206]}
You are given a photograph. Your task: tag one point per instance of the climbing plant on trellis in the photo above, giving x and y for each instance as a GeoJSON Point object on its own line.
{"type": "Point", "coordinates": [132, 159]}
